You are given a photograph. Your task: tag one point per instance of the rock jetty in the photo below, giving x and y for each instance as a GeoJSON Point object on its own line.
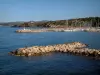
{"type": "Point", "coordinates": [92, 29]}
{"type": "Point", "coordinates": [73, 48]}
{"type": "Point", "coordinates": [40, 30]}
{"type": "Point", "coordinates": [58, 30]}
{"type": "Point", "coordinates": [29, 30]}
{"type": "Point", "coordinates": [49, 30]}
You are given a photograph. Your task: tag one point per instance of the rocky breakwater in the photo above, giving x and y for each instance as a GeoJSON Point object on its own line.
{"type": "Point", "coordinates": [40, 30]}
{"type": "Point", "coordinates": [29, 30]}
{"type": "Point", "coordinates": [73, 48]}
{"type": "Point", "coordinates": [92, 30]}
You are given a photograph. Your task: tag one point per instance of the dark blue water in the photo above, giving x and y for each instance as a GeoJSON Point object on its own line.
{"type": "Point", "coordinates": [52, 63]}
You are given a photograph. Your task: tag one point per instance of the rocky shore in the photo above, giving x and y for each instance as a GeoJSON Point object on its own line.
{"type": "Point", "coordinates": [73, 48]}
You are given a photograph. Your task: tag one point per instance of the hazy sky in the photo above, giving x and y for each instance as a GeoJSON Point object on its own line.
{"type": "Point", "coordinates": [26, 10]}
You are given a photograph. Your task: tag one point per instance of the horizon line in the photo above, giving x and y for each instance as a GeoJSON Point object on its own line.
{"type": "Point", "coordinates": [47, 20]}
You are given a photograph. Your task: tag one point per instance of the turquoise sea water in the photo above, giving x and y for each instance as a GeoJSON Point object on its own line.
{"type": "Point", "coordinates": [52, 63]}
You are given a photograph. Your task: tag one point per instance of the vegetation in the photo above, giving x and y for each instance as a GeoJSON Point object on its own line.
{"type": "Point", "coordinates": [78, 22]}
{"type": "Point", "coordinates": [11, 23]}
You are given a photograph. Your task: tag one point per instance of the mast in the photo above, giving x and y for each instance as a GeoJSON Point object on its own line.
{"type": "Point", "coordinates": [80, 22]}
{"type": "Point", "coordinates": [98, 22]}
{"type": "Point", "coordinates": [67, 22]}
{"type": "Point", "coordinates": [24, 26]}
{"type": "Point", "coordinates": [91, 23]}
{"type": "Point", "coordinates": [76, 23]}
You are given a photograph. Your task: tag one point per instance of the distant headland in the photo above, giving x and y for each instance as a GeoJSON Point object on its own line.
{"type": "Point", "coordinates": [77, 22]}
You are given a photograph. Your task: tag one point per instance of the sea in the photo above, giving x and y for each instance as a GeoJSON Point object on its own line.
{"type": "Point", "coordinates": [51, 63]}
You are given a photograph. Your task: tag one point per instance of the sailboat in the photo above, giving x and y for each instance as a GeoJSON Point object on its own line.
{"type": "Point", "coordinates": [24, 28]}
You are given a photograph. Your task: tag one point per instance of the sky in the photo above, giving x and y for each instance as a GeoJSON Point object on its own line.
{"type": "Point", "coordinates": [37, 10]}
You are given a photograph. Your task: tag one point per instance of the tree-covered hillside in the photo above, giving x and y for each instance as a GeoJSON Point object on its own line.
{"type": "Point", "coordinates": [77, 22]}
